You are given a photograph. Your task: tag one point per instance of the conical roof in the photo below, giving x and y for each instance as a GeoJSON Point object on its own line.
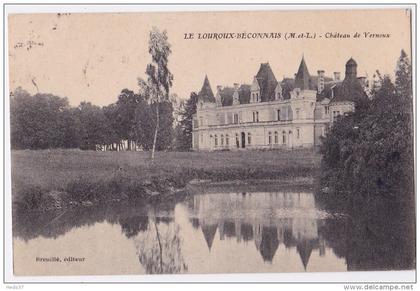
{"type": "Point", "coordinates": [206, 94]}
{"type": "Point", "coordinates": [267, 82]}
{"type": "Point", "coordinates": [303, 79]}
{"type": "Point", "coordinates": [209, 232]}
{"type": "Point", "coordinates": [269, 243]}
{"type": "Point", "coordinates": [304, 249]}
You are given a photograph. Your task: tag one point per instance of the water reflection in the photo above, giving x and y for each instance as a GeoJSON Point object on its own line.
{"type": "Point", "coordinates": [269, 219]}
{"type": "Point", "coordinates": [218, 230]}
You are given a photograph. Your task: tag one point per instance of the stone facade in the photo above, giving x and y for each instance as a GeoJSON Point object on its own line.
{"type": "Point", "coordinates": [268, 114]}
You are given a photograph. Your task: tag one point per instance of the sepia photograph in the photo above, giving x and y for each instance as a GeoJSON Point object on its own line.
{"type": "Point", "coordinates": [211, 142]}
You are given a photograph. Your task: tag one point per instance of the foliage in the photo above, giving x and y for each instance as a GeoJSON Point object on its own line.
{"type": "Point", "coordinates": [159, 78]}
{"type": "Point", "coordinates": [184, 138]}
{"type": "Point", "coordinates": [40, 121]}
{"type": "Point", "coordinates": [368, 155]}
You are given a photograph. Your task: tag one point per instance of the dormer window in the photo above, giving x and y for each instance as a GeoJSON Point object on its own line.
{"type": "Point", "coordinates": [258, 97]}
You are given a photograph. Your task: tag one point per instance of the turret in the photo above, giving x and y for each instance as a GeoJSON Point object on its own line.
{"type": "Point", "coordinates": [302, 78]}
{"type": "Point", "coordinates": [351, 69]}
{"type": "Point", "coordinates": [206, 96]}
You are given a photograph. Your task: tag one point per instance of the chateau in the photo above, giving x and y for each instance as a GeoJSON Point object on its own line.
{"type": "Point", "coordinates": [292, 113]}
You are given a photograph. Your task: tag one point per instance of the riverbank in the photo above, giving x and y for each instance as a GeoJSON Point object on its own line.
{"type": "Point", "coordinates": [52, 179]}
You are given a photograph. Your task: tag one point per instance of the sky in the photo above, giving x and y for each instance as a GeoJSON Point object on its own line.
{"type": "Point", "coordinates": [93, 56]}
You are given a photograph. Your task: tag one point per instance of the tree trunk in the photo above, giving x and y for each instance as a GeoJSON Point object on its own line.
{"type": "Point", "coordinates": [160, 247]}
{"type": "Point", "coordinates": [156, 131]}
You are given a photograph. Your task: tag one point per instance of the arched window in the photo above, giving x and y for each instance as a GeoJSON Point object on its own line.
{"type": "Point", "coordinates": [215, 140]}
{"type": "Point", "coordinates": [284, 137]}
{"type": "Point", "coordinates": [258, 97]}
{"type": "Point", "coordinates": [279, 95]}
{"type": "Point", "coordinates": [269, 137]}
{"type": "Point", "coordinates": [249, 138]}
{"type": "Point", "coordinates": [227, 139]}
{"type": "Point", "coordinates": [237, 140]}
{"type": "Point", "coordinates": [297, 133]}
{"type": "Point", "coordinates": [276, 137]}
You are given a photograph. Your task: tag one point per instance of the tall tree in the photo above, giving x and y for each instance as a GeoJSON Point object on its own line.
{"type": "Point", "coordinates": [159, 78]}
{"type": "Point", "coordinates": [93, 126]}
{"type": "Point", "coordinates": [186, 122]}
{"type": "Point", "coordinates": [124, 114]}
{"type": "Point", "coordinates": [403, 79]}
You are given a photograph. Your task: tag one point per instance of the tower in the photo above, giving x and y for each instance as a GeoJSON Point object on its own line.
{"type": "Point", "coordinates": [351, 69]}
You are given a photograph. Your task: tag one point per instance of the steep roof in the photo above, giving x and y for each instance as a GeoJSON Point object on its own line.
{"type": "Point", "coordinates": [267, 82]}
{"type": "Point", "coordinates": [209, 232]}
{"type": "Point", "coordinates": [304, 249]}
{"type": "Point", "coordinates": [349, 90]}
{"type": "Point", "coordinates": [226, 95]}
{"type": "Point", "coordinates": [303, 79]}
{"type": "Point", "coordinates": [269, 243]}
{"type": "Point", "coordinates": [206, 94]}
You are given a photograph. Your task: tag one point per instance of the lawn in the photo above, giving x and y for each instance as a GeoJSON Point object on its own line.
{"type": "Point", "coordinates": [59, 170]}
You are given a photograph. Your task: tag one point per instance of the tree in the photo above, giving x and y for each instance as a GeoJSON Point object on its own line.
{"type": "Point", "coordinates": [159, 78]}
{"type": "Point", "coordinates": [125, 114]}
{"type": "Point", "coordinates": [369, 153]}
{"type": "Point", "coordinates": [40, 121]}
{"type": "Point", "coordinates": [403, 80]}
{"type": "Point", "coordinates": [93, 126]}
{"type": "Point", "coordinates": [186, 123]}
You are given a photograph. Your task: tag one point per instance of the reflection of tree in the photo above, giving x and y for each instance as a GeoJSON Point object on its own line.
{"type": "Point", "coordinates": [374, 237]}
{"type": "Point", "coordinates": [159, 248]}
{"type": "Point", "coordinates": [131, 226]}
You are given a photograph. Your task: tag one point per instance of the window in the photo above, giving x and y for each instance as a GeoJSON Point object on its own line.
{"type": "Point", "coordinates": [278, 114]}
{"type": "Point", "coordinates": [222, 140]}
{"type": "Point", "coordinates": [297, 113]}
{"type": "Point", "coordinates": [258, 97]}
{"type": "Point", "coordinates": [237, 140]}
{"type": "Point", "coordinates": [201, 121]}
{"type": "Point", "coordinates": [249, 138]}
{"type": "Point", "coordinates": [235, 118]}
{"type": "Point", "coordinates": [276, 137]}
{"type": "Point", "coordinates": [269, 137]}
{"type": "Point", "coordinates": [201, 137]}
{"type": "Point", "coordinates": [215, 140]}
{"type": "Point", "coordinates": [297, 133]}
{"type": "Point", "coordinates": [255, 116]}
{"type": "Point", "coordinates": [227, 139]}
{"type": "Point", "coordinates": [327, 111]}
{"type": "Point", "coordinates": [284, 137]}
{"type": "Point", "coordinates": [278, 95]}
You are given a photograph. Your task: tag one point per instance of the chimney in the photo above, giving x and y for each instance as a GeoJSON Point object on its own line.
{"type": "Point", "coordinates": [321, 81]}
{"type": "Point", "coordinates": [336, 76]}
{"type": "Point", "coordinates": [236, 86]}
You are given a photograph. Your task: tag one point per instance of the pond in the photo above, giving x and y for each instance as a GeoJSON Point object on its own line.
{"type": "Point", "coordinates": [225, 228]}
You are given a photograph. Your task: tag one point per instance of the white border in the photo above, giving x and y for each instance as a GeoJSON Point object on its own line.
{"type": "Point", "coordinates": [394, 276]}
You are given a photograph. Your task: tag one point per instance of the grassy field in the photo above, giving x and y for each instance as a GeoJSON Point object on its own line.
{"type": "Point", "coordinates": [76, 171]}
